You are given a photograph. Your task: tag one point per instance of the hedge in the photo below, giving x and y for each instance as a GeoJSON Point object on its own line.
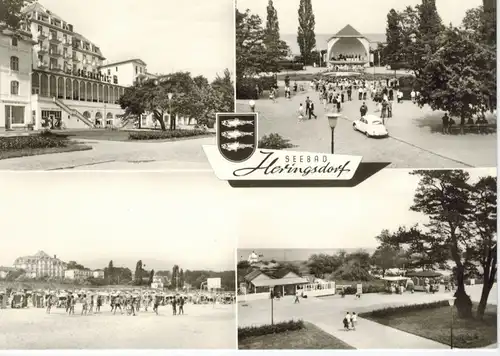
{"type": "Point", "coordinates": [367, 288]}
{"type": "Point", "coordinates": [382, 313]}
{"type": "Point", "coordinates": [245, 88]}
{"type": "Point", "coordinates": [291, 325]}
{"type": "Point", "coordinates": [164, 135]}
{"type": "Point", "coordinates": [37, 141]}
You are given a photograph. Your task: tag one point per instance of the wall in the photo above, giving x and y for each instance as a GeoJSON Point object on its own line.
{"type": "Point", "coordinates": [23, 52]}
{"type": "Point", "coordinates": [253, 296]}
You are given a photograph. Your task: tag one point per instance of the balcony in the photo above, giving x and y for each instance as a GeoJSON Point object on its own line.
{"type": "Point", "coordinates": [66, 42]}
{"type": "Point", "coordinates": [43, 50]}
{"type": "Point", "coordinates": [75, 58]}
{"type": "Point", "coordinates": [67, 56]}
{"type": "Point", "coordinates": [56, 67]}
{"type": "Point", "coordinates": [42, 65]}
{"type": "Point", "coordinates": [42, 35]}
{"type": "Point", "coordinates": [55, 53]}
{"type": "Point", "coordinates": [55, 39]}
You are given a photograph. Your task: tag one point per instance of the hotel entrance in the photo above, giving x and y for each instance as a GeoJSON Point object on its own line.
{"type": "Point", "coordinates": [51, 119]}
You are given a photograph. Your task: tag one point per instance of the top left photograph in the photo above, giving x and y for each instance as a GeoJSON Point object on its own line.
{"type": "Point", "coordinates": [113, 85]}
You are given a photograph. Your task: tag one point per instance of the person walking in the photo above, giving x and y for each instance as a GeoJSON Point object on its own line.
{"type": "Point", "coordinates": [311, 111]}
{"type": "Point", "coordinates": [354, 321]}
{"type": "Point", "coordinates": [446, 122]}
{"type": "Point", "coordinates": [297, 300]}
{"type": "Point", "coordinates": [363, 109]}
{"type": "Point", "coordinates": [181, 305]}
{"type": "Point", "coordinates": [308, 103]}
{"type": "Point", "coordinates": [301, 112]}
{"type": "Point", "coordinates": [347, 321]}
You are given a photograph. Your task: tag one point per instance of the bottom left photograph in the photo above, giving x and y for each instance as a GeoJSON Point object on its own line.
{"type": "Point", "coordinates": [116, 261]}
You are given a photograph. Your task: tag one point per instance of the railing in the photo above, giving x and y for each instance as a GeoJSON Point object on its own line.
{"type": "Point", "coordinates": [42, 64]}
{"type": "Point", "coordinates": [56, 67]}
{"type": "Point", "coordinates": [43, 50]}
{"type": "Point", "coordinates": [42, 34]}
{"type": "Point", "coordinates": [55, 53]}
{"type": "Point", "coordinates": [75, 58]}
{"type": "Point", "coordinates": [55, 39]}
{"type": "Point", "coordinates": [74, 112]}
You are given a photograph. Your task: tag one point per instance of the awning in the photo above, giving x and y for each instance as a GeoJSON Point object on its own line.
{"type": "Point", "coordinates": [280, 282]}
{"type": "Point", "coordinates": [394, 279]}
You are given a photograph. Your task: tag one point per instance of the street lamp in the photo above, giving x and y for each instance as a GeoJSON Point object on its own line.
{"type": "Point", "coordinates": [332, 121]}
{"type": "Point", "coordinates": [451, 302]}
{"type": "Point", "coordinates": [252, 105]}
{"type": "Point", "coordinates": [170, 96]}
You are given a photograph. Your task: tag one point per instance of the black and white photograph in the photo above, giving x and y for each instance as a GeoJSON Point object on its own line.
{"type": "Point", "coordinates": [406, 260]}
{"type": "Point", "coordinates": [103, 267]}
{"type": "Point", "coordinates": [113, 85]}
{"type": "Point", "coordinates": [411, 83]}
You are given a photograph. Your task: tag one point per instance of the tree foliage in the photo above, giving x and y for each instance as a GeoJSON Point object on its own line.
{"type": "Point", "coordinates": [306, 38]}
{"type": "Point", "coordinates": [461, 229]}
{"type": "Point", "coordinates": [11, 12]}
{"type": "Point", "coordinates": [192, 97]}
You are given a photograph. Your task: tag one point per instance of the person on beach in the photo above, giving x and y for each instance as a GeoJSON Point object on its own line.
{"type": "Point", "coordinates": [85, 305]}
{"type": "Point", "coordinates": [181, 305]}
{"type": "Point", "coordinates": [174, 306]}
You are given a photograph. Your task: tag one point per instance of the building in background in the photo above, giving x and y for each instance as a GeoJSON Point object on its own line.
{"type": "Point", "coordinates": [15, 77]}
{"type": "Point", "coordinates": [52, 76]}
{"type": "Point", "coordinates": [98, 274]}
{"type": "Point", "coordinates": [41, 265]}
{"type": "Point", "coordinates": [78, 274]}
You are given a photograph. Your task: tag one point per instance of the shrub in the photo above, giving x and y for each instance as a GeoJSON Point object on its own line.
{"type": "Point", "coordinates": [245, 88]}
{"type": "Point", "coordinates": [274, 142]}
{"type": "Point", "coordinates": [385, 312]}
{"type": "Point", "coordinates": [42, 140]}
{"type": "Point", "coordinates": [291, 325]}
{"type": "Point", "coordinates": [164, 135]}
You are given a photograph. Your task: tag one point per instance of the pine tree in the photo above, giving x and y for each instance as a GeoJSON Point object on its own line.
{"type": "Point", "coordinates": [489, 22]}
{"type": "Point", "coordinates": [306, 37]}
{"type": "Point", "coordinates": [394, 37]}
{"type": "Point", "coordinates": [276, 49]}
{"type": "Point", "coordinates": [430, 23]}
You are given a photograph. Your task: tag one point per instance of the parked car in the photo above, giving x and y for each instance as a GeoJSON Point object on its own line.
{"type": "Point", "coordinates": [371, 126]}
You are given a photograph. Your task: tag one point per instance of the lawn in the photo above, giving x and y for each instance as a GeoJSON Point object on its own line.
{"type": "Point", "coordinates": [311, 337]}
{"type": "Point", "coordinates": [434, 324]}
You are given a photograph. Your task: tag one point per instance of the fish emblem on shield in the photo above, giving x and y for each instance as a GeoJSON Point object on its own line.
{"type": "Point", "coordinates": [237, 136]}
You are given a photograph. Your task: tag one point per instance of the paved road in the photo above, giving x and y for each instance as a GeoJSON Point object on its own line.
{"type": "Point", "coordinates": [112, 155]}
{"type": "Point", "coordinates": [327, 313]}
{"type": "Point", "coordinates": [414, 142]}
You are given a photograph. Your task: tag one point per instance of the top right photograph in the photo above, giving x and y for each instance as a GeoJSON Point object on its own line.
{"type": "Point", "coordinates": [411, 83]}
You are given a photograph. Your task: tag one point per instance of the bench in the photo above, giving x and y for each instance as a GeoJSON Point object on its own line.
{"type": "Point", "coordinates": [476, 128]}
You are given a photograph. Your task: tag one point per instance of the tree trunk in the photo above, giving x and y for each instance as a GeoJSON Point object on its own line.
{"type": "Point", "coordinates": [172, 121]}
{"type": "Point", "coordinates": [159, 118]}
{"type": "Point", "coordinates": [463, 302]}
{"type": "Point", "coordinates": [489, 273]}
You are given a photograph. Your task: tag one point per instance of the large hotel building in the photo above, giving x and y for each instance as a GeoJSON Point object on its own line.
{"type": "Point", "coordinates": [53, 77]}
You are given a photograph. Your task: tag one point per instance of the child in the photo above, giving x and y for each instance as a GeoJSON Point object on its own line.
{"type": "Point", "coordinates": [354, 320]}
{"type": "Point", "coordinates": [301, 112]}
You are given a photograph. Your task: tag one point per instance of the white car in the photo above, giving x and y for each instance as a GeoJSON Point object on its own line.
{"type": "Point", "coordinates": [371, 126]}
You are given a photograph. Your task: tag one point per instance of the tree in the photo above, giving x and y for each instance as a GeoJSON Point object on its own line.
{"type": "Point", "coordinates": [175, 276]}
{"type": "Point", "coordinates": [250, 51]}
{"type": "Point", "coordinates": [460, 77]}
{"type": "Point", "coordinates": [462, 227]}
{"type": "Point", "coordinates": [483, 227]}
{"type": "Point", "coordinates": [385, 257]}
{"type": "Point", "coordinates": [322, 264]}
{"type": "Point", "coordinates": [138, 273]}
{"type": "Point", "coordinates": [276, 49]}
{"type": "Point", "coordinates": [11, 12]}
{"type": "Point", "coordinates": [109, 272]}
{"type": "Point", "coordinates": [151, 276]}
{"type": "Point", "coordinates": [133, 102]}
{"type": "Point", "coordinates": [473, 20]}
{"type": "Point", "coordinates": [181, 278]}
{"type": "Point", "coordinates": [393, 33]}
{"type": "Point", "coordinates": [490, 22]}
{"type": "Point", "coordinates": [306, 37]}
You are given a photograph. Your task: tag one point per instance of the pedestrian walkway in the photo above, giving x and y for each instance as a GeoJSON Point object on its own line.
{"type": "Point", "coordinates": [372, 335]}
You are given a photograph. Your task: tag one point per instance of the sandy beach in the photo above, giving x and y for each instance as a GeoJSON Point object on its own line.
{"type": "Point", "coordinates": [201, 327]}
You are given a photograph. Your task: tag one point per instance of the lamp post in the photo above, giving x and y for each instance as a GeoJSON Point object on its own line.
{"type": "Point", "coordinates": [271, 292]}
{"type": "Point", "coordinates": [172, 120]}
{"type": "Point", "coordinates": [251, 103]}
{"type": "Point", "coordinates": [451, 302]}
{"type": "Point", "coordinates": [332, 121]}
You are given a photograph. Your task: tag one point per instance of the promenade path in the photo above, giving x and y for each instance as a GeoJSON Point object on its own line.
{"type": "Point", "coordinates": [327, 313]}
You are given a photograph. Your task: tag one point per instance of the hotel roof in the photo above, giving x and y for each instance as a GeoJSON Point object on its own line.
{"type": "Point", "coordinates": [136, 60]}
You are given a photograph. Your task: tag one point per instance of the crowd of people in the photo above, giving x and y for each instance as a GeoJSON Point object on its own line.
{"type": "Point", "coordinates": [349, 57]}
{"type": "Point", "coordinates": [91, 301]}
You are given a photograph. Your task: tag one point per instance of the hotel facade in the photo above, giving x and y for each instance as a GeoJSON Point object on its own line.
{"type": "Point", "coordinates": [53, 77]}
{"type": "Point", "coordinates": [41, 265]}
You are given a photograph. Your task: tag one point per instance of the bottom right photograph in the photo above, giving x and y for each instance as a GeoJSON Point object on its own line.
{"type": "Point", "coordinates": [405, 260]}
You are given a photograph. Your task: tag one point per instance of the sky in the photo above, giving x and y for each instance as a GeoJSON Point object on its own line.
{"type": "Point", "coordinates": [336, 218]}
{"type": "Point", "coordinates": [156, 217]}
{"type": "Point", "coordinates": [367, 16]}
{"type": "Point", "coordinates": [187, 35]}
